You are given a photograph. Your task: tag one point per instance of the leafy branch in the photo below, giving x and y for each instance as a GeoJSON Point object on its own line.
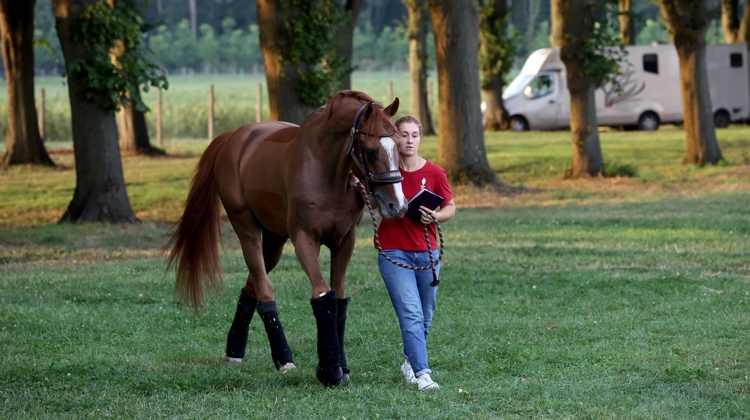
{"type": "Point", "coordinates": [312, 41]}
{"type": "Point", "coordinates": [602, 54]}
{"type": "Point", "coordinates": [499, 46]}
{"type": "Point", "coordinates": [118, 63]}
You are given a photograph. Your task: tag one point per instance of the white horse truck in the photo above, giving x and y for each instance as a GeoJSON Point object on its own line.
{"type": "Point", "coordinates": [538, 98]}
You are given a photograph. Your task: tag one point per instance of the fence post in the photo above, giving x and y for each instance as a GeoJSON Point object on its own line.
{"type": "Point", "coordinates": [210, 112]}
{"type": "Point", "coordinates": [159, 134]}
{"type": "Point", "coordinates": [40, 113]}
{"type": "Point", "coordinates": [389, 93]}
{"type": "Point", "coordinates": [259, 104]}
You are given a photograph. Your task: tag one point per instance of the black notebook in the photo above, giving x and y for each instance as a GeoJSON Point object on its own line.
{"type": "Point", "coordinates": [425, 198]}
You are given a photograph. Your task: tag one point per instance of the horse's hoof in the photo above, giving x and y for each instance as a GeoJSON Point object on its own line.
{"type": "Point", "coordinates": [286, 369]}
{"type": "Point", "coordinates": [330, 377]}
{"type": "Point", "coordinates": [233, 361]}
{"type": "Point", "coordinates": [345, 378]}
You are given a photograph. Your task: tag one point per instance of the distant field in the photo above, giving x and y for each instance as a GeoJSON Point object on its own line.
{"type": "Point", "coordinates": [185, 103]}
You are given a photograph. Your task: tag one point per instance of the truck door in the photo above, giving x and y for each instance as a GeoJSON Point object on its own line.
{"type": "Point", "coordinates": [543, 101]}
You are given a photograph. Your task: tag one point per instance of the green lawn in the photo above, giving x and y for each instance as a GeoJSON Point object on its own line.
{"type": "Point", "coordinates": [603, 298]}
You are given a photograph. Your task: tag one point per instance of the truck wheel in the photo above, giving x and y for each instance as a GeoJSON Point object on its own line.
{"type": "Point", "coordinates": [518, 123]}
{"type": "Point", "coordinates": [648, 121]}
{"type": "Point", "coordinates": [721, 119]}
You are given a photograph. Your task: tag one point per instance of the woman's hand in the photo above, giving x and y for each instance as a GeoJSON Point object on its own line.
{"type": "Point", "coordinates": [447, 211]}
{"type": "Point", "coordinates": [353, 180]}
{"type": "Point", "coordinates": [428, 216]}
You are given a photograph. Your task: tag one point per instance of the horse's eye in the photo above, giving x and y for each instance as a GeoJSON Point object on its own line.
{"type": "Point", "coordinates": [372, 155]}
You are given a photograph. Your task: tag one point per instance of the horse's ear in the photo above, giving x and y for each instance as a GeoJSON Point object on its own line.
{"type": "Point", "coordinates": [392, 108]}
{"type": "Point", "coordinates": [368, 111]}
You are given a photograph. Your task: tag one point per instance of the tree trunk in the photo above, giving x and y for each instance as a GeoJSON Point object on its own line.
{"type": "Point", "coordinates": [572, 26]}
{"type": "Point", "coordinates": [496, 117]}
{"type": "Point", "coordinates": [346, 37]}
{"type": "Point", "coordinates": [418, 62]}
{"type": "Point", "coordinates": [100, 194]}
{"type": "Point", "coordinates": [587, 153]}
{"type": "Point", "coordinates": [744, 30]}
{"type": "Point", "coordinates": [627, 23]}
{"type": "Point", "coordinates": [730, 20]}
{"type": "Point", "coordinates": [687, 22]}
{"type": "Point", "coordinates": [282, 76]}
{"type": "Point", "coordinates": [23, 143]}
{"type": "Point", "coordinates": [133, 131]}
{"type": "Point", "coordinates": [193, 18]}
{"type": "Point", "coordinates": [461, 149]}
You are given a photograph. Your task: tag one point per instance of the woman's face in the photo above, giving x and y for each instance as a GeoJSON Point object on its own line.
{"type": "Point", "coordinates": [409, 138]}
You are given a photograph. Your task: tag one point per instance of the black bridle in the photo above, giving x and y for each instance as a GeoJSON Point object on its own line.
{"type": "Point", "coordinates": [388, 177]}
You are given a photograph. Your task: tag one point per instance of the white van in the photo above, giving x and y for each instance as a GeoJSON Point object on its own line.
{"type": "Point", "coordinates": [538, 98]}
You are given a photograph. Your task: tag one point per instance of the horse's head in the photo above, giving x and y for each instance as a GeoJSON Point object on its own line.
{"type": "Point", "coordinates": [375, 152]}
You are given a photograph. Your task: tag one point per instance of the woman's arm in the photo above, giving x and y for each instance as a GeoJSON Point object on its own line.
{"type": "Point", "coordinates": [447, 211]}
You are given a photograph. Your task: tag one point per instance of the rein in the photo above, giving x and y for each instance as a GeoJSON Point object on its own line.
{"type": "Point", "coordinates": [433, 263]}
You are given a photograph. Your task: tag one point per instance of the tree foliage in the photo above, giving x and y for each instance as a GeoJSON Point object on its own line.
{"type": "Point", "coordinates": [499, 44]}
{"type": "Point", "coordinates": [312, 41]}
{"type": "Point", "coordinates": [101, 27]}
{"type": "Point", "coordinates": [602, 54]}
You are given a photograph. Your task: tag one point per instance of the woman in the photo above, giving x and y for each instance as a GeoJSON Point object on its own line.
{"type": "Point", "coordinates": [403, 240]}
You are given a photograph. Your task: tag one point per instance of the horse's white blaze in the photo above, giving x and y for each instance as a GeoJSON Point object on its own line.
{"type": "Point", "coordinates": [390, 148]}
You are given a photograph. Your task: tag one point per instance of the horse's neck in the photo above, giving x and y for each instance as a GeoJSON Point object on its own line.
{"type": "Point", "coordinates": [332, 162]}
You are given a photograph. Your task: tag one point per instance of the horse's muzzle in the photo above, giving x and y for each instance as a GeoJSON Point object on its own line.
{"type": "Point", "coordinates": [390, 209]}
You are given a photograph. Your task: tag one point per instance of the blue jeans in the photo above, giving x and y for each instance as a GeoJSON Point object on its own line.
{"type": "Point", "coordinates": [414, 301]}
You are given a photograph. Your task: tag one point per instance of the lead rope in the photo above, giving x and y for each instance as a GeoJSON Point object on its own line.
{"type": "Point", "coordinates": [433, 262]}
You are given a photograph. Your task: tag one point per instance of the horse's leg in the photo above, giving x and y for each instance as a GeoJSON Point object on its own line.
{"type": "Point", "coordinates": [237, 336]}
{"type": "Point", "coordinates": [324, 308]}
{"type": "Point", "coordinates": [340, 256]}
{"type": "Point", "coordinates": [258, 287]}
{"type": "Point", "coordinates": [273, 246]}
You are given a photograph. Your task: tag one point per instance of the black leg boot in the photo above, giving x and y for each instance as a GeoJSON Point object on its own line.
{"type": "Point", "coordinates": [280, 351]}
{"type": "Point", "coordinates": [325, 311]}
{"type": "Point", "coordinates": [341, 328]}
{"type": "Point", "coordinates": [237, 337]}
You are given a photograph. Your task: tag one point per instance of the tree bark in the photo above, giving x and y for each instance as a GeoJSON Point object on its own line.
{"type": "Point", "coordinates": [133, 132]}
{"type": "Point", "coordinates": [572, 25]}
{"type": "Point", "coordinates": [282, 77]}
{"type": "Point", "coordinates": [461, 150]}
{"type": "Point", "coordinates": [100, 194]}
{"type": "Point", "coordinates": [627, 23]}
{"type": "Point", "coordinates": [23, 144]}
{"type": "Point", "coordinates": [496, 117]}
{"type": "Point", "coordinates": [192, 7]}
{"type": "Point", "coordinates": [346, 37]}
{"type": "Point", "coordinates": [418, 62]}
{"type": "Point", "coordinates": [730, 20]}
{"type": "Point", "coordinates": [687, 22]}
{"type": "Point", "coordinates": [744, 30]}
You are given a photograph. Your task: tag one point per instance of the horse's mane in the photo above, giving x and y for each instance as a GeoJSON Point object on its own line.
{"type": "Point", "coordinates": [360, 97]}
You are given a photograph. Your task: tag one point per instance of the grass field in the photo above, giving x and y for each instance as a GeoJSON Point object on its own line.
{"type": "Point", "coordinates": [604, 298]}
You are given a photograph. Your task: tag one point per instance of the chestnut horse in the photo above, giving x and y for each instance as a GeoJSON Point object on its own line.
{"type": "Point", "coordinates": [280, 181]}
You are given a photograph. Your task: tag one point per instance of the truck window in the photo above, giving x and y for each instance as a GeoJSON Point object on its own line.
{"type": "Point", "coordinates": [542, 85]}
{"type": "Point", "coordinates": [651, 63]}
{"type": "Point", "coordinates": [735, 60]}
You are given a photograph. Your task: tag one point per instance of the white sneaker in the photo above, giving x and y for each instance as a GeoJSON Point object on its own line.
{"type": "Point", "coordinates": [408, 373]}
{"type": "Point", "coordinates": [425, 383]}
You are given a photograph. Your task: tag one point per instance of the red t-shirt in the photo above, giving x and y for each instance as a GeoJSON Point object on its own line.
{"type": "Point", "coordinates": [405, 234]}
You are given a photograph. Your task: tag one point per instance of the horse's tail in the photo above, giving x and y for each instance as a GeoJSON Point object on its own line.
{"type": "Point", "coordinates": [195, 243]}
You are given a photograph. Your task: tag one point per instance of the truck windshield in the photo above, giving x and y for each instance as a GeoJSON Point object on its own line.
{"type": "Point", "coordinates": [517, 85]}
